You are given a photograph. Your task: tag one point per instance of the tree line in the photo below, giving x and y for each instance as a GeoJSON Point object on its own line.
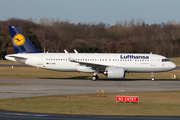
{"type": "Point", "coordinates": [50, 35]}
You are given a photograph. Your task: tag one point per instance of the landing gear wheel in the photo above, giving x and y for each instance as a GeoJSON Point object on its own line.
{"type": "Point", "coordinates": [94, 78]}
{"type": "Point", "coordinates": [152, 79]}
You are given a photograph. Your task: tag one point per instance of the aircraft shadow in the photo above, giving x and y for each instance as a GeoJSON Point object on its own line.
{"type": "Point", "coordinates": [70, 78]}
{"type": "Point", "coordinates": [86, 78]}
{"type": "Point", "coordinates": [137, 80]}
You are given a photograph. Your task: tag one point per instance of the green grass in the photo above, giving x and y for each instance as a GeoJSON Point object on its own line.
{"type": "Point", "coordinates": [151, 104]}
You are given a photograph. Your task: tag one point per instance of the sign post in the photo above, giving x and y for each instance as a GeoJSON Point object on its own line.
{"type": "Point", "coordinates": [102, 92]}
{"type": "Point", "coordinates": [98, 92]}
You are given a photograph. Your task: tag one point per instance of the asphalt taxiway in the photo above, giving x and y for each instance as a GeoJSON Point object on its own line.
{"type": "Point", "coordinates": [7, 115]}
{"type": "Point", "coordinates": [46, 87]}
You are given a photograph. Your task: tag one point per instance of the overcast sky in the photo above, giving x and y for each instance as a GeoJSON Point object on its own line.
{"type": "Point", "coordinates": [92, 11]}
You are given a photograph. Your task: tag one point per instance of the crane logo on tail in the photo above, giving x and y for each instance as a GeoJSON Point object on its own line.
{"type": "Point", "coordinates": [18, 39]}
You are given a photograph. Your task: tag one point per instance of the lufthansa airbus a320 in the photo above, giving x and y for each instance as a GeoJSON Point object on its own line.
{"type": "Point", "coordinates": [113, 65]}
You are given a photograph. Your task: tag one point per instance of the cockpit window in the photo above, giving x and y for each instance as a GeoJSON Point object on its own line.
{"type": "Point", "coordinates": [165, 60]}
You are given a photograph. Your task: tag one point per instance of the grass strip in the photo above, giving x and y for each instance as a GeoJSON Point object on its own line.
{"type": "Point", "coordinates": [8, 84]}
{"type": "Point", "coordinates": [151, 104]}
{"type": "Point", "coordinates": [8, 62]}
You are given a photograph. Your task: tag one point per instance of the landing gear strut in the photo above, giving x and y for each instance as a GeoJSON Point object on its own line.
{"type": "Point", "coordinates": [152, 76]}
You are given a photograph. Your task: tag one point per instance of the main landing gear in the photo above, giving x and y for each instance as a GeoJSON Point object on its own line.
{"type": "Point", "coordinates": [94, 77]}
{"type": "Point", "coordinates": [152, 76]}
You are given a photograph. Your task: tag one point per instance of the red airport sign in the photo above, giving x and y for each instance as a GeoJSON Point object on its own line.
{"type": "Point", "coordinates": [127, 99]}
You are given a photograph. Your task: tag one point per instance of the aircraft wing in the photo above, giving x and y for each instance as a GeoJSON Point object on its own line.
{"type": "Point", "coordinates": [88, 64]}
{"type": "Point", "coordinates": [93, 65]}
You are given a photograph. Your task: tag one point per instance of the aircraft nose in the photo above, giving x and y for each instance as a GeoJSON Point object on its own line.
{"type": "Point", "coordinates": [173, 66]}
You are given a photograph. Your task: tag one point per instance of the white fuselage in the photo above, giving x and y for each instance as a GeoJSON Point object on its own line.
{"type": "Point", "coordinates": [60, 61]}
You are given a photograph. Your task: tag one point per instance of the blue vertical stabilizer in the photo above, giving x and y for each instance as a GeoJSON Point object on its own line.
{"type": "Point", "coordinates": [21, 43]}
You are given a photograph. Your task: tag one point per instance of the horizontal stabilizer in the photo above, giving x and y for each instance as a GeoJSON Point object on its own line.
{"type": "Point", "coordinates": [19, 59]}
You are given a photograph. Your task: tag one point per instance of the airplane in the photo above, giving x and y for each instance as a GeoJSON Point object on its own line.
{"type": "Point", "coordinates": [113, 65]}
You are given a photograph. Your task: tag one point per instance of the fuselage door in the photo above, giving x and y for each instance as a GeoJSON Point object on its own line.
{"type": "Point", "coordinates": [153, 61]}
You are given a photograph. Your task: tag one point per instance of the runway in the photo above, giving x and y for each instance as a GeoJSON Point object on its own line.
{"type": "Point", "coordinates": [46, 87]}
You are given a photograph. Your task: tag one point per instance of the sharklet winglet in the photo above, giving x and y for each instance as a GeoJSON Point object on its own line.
{"type": "Point", "coordinates": [69, 56]}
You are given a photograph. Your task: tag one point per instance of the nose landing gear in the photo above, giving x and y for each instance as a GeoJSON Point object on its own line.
{"type": "Point", "coordinates": [152, 76]}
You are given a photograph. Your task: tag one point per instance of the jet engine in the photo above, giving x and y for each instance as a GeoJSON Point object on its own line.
{"type": "Point", "coordinates": [115, 72]}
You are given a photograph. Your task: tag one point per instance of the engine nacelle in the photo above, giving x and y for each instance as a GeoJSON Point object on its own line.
{"type": "Point", "coordinates": [116, 72]}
